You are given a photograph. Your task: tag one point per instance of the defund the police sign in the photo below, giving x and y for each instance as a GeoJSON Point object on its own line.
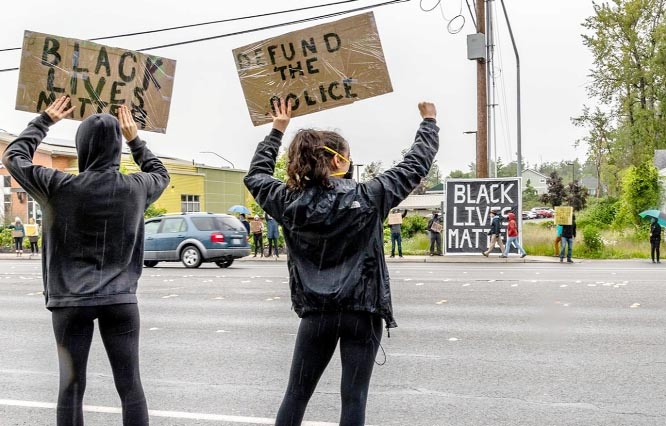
{"type": "Point", "coordinates": [316, 68]}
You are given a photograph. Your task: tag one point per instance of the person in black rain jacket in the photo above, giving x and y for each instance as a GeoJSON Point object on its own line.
{"type": "Point", "coordinates": [92, 248]}
{"type": "Point", "coordinates": [333, 229]}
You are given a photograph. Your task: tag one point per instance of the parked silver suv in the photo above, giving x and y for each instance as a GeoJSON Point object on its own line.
{"type": "Point", "coordinates": [193, 238]}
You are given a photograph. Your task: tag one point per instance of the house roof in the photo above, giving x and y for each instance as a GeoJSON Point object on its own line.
{"type": "Point", "coordinates": [535, 172]}
{"type": "Point", "coordinates": [422, 202]}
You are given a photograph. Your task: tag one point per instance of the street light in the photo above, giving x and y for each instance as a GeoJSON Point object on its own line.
{"type": "Point", "coordinates": [476, 135]}
{"type": "Point", "coordinates": [215, 153]}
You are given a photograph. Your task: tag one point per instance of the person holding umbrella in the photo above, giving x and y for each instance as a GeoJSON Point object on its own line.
{"type": "Point", "coordinates": [655, 239]}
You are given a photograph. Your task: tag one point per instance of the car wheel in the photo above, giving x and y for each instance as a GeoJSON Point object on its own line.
{"type": "Point", "coordinates": [150, 263]}
{"type": "Point", "coordinates": [225, 263]}
{"type": "Point", "coordinates": [191, 257]}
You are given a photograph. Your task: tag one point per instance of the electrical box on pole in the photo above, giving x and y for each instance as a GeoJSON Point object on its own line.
{"type": "Point", "coordinates": [476, 47]}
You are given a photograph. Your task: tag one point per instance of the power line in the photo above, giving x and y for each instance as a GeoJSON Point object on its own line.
{"type": "Point", "coordinates": [298, 21]}
{"type": "Point", "coordinates": [180, 27]}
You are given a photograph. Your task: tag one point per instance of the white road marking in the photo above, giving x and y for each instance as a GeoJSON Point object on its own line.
{"type": "Point", "coordinates": [161, 413]}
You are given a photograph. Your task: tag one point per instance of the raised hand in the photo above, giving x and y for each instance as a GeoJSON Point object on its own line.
{"type": "Point", "coordinates": [282, 114]}
{"type": "Point", "coordinates": [127, 124]}
{"type": "Point", "coordinates": [58, 109]}
{"type": "Point", "coordinates": [427, 110]}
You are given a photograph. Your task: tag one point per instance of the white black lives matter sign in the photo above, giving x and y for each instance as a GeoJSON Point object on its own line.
{"type": "Point", "coordinates": [468, 205]}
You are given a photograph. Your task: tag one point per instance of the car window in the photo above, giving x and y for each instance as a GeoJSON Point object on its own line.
{"type": "Point", "coordinates": [205, 223]}
{"type": "Point", "coordinates": [174, 225]}
{"type": "Point", "coordinates": [152, 226]}
{"type": "Point", "coordinates": [230, 224]}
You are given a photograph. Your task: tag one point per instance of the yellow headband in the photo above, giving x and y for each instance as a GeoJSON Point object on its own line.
{"type": "Point", "coordinates": [336, 153]}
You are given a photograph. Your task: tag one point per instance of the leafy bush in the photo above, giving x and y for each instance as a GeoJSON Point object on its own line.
{"type": "Point", "coordinates": [592, 238]}
{"type": "Point", "coordinates": [413, 225]}
{"type": "Point", "coordinates": [600, 212]}
{"type": "Point", "coordinates": [6, 240]}
{"type": "Point", "coordinates": [153, 211]}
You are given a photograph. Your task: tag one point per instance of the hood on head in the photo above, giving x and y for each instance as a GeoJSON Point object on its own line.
{"type": "Point", "coordinates": [512, 216]}
{"type": "Point", "coordinates": [99, 143]}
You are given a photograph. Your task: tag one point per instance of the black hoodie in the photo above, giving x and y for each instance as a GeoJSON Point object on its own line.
{"type": "Point", "coordinates": [92, 222]}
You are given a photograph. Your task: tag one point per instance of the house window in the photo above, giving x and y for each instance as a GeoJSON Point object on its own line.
{"type": "Point", "coordinates": [34, 211]}
{"type": "Point", "coordinates": [542, 180]}
{"type": "Point", "coordinates": [6, 181]}
{"type": "Point", "coordinates": [189, 203]}
{"type": "Point", "coordinates": [7, 206]}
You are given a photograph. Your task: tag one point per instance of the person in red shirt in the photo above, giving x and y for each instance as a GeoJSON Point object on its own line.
{"type": "Point", "coordinates": [512, 237]}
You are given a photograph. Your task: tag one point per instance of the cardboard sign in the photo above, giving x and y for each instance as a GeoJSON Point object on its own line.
{"type": "Point", "coordinates": [436, 227]}
{"type": "Point", "coordinates": [317, 68]}
{"type": "Point", "coordinates": [97, 78]}
{"type": "Point", "coordinates": [255, 226]}
{"type": "Point", "coordinates": [31, 230]}
{"type": "Point", "coordinates": [563, 215]}
{"type": "Point", "coordinates": [395, 219]}
{"type": "Point", "coordinates": [17, 234]}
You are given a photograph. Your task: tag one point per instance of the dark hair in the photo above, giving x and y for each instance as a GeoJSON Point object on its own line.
{"type": "Point", "coordinates": [308, 161]}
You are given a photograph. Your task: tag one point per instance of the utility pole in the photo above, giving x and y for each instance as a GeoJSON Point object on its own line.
{"type": "Point", "coordinates": [481, 99]}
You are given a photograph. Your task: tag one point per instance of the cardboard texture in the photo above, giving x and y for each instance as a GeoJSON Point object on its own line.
{"type": "Point", "coordinates": [97, 78]}
{"type": "Point", "coordinates": [17, 234]}
{"type": "Point", "coordinates": [395, 219]}
{"type": "Point", "coordinates": [436, 227]}
{"type": "Point", "coordinates": [255, 226]}
{"type": "Point", "coordinates": [563, 215]}
{"type": "Point", "coordinates": [318, 68]}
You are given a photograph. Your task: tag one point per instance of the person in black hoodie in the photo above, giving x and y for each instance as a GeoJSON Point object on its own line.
{"type": "Point", "coordinates": [92, 249]}
{"type": "Point", "coordinates": [339, 285]}
{"type": "Point", "coordinates": [655, 239]}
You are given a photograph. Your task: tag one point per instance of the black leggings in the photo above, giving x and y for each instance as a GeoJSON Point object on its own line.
{"type": "Point", "coordinates": [654, 249]}
{"type": "Point", "coordinates": [258, 243]}
{"type": "Point", "coordinates": [119, 328]}
{"type": "Point", "coordinates": [318, 334]}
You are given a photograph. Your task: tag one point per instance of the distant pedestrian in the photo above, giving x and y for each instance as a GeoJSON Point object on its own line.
{"type": "Point", "coordinates": [273, 234]}
{"type": "Point", "coordinates": [257, 229]}
{"type": "Point", "coordinates": [655, 239]}
{"type": "Point", "coordinates": [512, 237]}
{"type": "Point", "coordinates": [18, 232]}
{"type": "Point", "coordinates": [32, 232]}
{"type": "Point", "coordinates": [495, 233]}
{"type": "Point", "coordinates": [396, 235]}
{"type": "Point", "coordinates": [92, 249]}
{"type": "Point", "coordinates": [435, 230]}
{"type": "Point", "coordinates": [245, 223]}
{"type": "Point", "coordinates": [568, 235]}
{"type": "Point", "coordinates": [558, 239]}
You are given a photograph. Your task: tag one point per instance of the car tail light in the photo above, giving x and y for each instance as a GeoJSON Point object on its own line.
{"type": "Point", "coordinates": [216, 237]}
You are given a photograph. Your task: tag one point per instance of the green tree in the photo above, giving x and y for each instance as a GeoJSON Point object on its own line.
{"type": "Point", "coordinates": [371, 170]}
{"type": "Point", "coordinates": [280, 171]}
{"type": "Point", "coordinates": [576, 195]}
{"type": "Point", "coordinates": [598, 143]}
{"type": "Point", "coordinates": [641, 190]}
{"type": "Point", "coordinates": [459, 174]}
{"type": "Point", "coordinates": [153, 211]}
{"type": "Point", "coordinates": [555, 194]}
{"type": "Point", "coordinates": [530, 194]}
{"type": "Point", "coordinates": [627, 40]}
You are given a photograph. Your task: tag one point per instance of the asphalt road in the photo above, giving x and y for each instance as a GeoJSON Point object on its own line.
{"type": "Point", "coordinates": [477, 344]}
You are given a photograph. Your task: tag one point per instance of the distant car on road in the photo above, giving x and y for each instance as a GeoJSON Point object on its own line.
{"type": "Point", "coordinates": [193, 238]}
{"type": "Point", "coordinates": [529, 214]}
{"type": "Point", "coordinates": [543, 212]}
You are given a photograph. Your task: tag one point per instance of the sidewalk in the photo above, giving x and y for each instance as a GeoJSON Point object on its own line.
{"type": "Point", "coordinates": [452, 258]}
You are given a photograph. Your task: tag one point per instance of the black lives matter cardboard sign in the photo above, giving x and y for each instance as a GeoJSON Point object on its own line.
{"type": "Point", "coordinates": [468, 206]}
{"type": "Point", "coordinates": [317, 68]}
{"type": "Point", "coordinates": [97, 78]}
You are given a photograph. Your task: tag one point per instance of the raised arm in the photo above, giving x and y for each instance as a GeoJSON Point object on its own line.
{"type": "Point", "coordinates": [391, 187]}
{"type": "Point", "coordinates": [36, 180]}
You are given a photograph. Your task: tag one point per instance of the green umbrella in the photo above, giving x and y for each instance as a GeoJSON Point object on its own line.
{"type": "Point", "coordinates": [659, 215]}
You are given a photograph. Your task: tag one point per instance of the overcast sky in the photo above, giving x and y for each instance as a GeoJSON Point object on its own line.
{"type": "Point", "coordinates": [424, 60]}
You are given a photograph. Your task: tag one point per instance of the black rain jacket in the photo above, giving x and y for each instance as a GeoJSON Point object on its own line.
{"type": "Point", "coordinates": [495, 226]}
{"type": "Point", "coordinates": [92, 229]}
{"type": "Point", "coordinates": [335, 235]}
